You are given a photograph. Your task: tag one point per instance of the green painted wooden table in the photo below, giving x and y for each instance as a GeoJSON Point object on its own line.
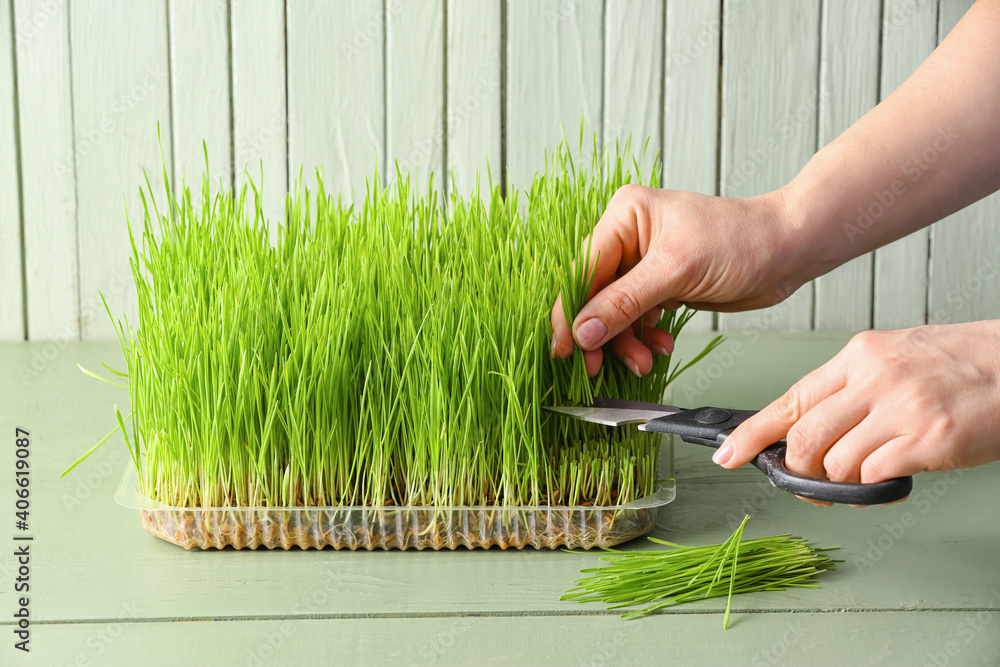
{"type": "Point", "coordinates": [920, 584]}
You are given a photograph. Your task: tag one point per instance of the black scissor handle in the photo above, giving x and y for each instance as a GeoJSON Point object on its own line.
{"type": "Point", "coordinates": [711, 426]}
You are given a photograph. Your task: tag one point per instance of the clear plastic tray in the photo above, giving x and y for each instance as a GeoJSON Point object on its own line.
{"type": "Point", "coordinates": [394, 527]}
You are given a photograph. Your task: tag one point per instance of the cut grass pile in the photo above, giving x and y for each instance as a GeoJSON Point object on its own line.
{"type": "Point", "coordinates": [660, 579]}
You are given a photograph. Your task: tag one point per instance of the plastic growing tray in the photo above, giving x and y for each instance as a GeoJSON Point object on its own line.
{"type": "Point", "coordinates": [394, 527]}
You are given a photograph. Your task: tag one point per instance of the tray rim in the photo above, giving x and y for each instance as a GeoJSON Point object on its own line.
{"type": "Point", "coordinates": [128, 496]}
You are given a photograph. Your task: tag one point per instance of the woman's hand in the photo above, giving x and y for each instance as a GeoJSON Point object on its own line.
{"type": "Point", "coordinates": [656, 249]}
{"type": "Point", "coordinates": [890, 404]}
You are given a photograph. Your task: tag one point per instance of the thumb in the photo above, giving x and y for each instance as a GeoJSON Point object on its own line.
{"type": "Point", "coordinates": [621, 303]}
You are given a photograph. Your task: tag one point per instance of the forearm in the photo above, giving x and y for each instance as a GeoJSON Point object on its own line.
{"type": "Point", "coordinates": [929, 149]}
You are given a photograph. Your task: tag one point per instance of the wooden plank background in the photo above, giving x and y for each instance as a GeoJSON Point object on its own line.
{"type": "Point", "coordinates": [767, 136]}
{"type": "Point", "coordinates": [456, 89]}
{"type": "Point", "coordinates": [11, 260]}
{"type": "Point", "coordinates": [849, 87]}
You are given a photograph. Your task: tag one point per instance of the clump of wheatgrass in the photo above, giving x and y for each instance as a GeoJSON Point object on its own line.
{"type": "Point", "coordinates": [662, 579]}
{"type": "Point", "coordinates": [395, 352]}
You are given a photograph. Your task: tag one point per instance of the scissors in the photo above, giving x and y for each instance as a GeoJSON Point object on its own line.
{"type": "Point", "coordinates": [710, 426]}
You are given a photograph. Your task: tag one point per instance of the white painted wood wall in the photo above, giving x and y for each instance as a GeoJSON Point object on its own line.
{"type": "Point", "coordinates": [438, 85]}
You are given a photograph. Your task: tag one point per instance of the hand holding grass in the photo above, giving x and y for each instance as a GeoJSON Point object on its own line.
{"type": "Point", "coordinates": [892, 403]}
{"type": "Point", "coordinates": [656, 249]}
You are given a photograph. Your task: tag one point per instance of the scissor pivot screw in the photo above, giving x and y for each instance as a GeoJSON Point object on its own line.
{"type": "Point", "coordinates": [713, 416]}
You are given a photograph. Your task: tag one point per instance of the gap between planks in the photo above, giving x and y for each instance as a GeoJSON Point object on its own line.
{"type": "Point", "coordinates": [503, 614]}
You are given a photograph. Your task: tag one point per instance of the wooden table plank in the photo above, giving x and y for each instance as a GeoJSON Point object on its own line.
{"type": "Point", "coordinates": [936, 552]}
{"type": "Point", "coordinates": [900, 638]}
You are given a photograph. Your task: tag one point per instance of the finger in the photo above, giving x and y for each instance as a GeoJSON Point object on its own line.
{"type": "Point", "coordinates": [620, 238]}
{"type": "Point", "coordinates": [593, 359]}
{"type": "Point", "coordinates": [652, 318]}
{"type": "Point", "coordinates": [765, 300]}
{"type": "Point", "coordinates": [817, 503]}
{"type": "Point", "coordinates": [773, 422]}
{"type": "Point", "coordinates": [621, 303]}
{"type": "Point", "coordinates": [657, 340]}
{"type": "Point", "coordinates": [632, 352]}
{"type": "Point", "coordinates": [842, 463]}
{"type": "Point", "coordinates": [562, 338]}
{"type": "Point", "coordinates": [820, 429]}
{"type": "Point", "coordinates": [899, 457]}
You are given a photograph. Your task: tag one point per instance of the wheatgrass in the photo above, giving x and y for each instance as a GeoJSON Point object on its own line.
{"type": "Point", "coordinates": [393, 352]}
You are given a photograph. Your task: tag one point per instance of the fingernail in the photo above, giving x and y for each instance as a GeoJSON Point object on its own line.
{"type": "Point", "coordinates": [552, 349]}
{"type": "Point", "coordinates": [634, 367]}
{"type": "Point", "coordinates": [724, 453]}
{"type": "Point", "coordinates": [591, 332]}
{"type": "Point", "coordinates": [660, 350]}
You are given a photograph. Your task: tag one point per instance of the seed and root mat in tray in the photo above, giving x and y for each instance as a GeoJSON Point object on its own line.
{"type": "Point", "coordinates": [374, 376]}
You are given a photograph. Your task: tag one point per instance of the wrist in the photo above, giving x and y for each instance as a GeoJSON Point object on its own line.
{"type": "Point", "coordinates": [819, 224]}
{"type": "Point", "coordinates": [790, 241]}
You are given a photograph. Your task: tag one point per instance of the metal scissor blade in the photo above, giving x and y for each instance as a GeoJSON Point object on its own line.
{"type": "Point", "coordinates": [609, 416]}
{"type": "Point", "coordinates": [634, 405]}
